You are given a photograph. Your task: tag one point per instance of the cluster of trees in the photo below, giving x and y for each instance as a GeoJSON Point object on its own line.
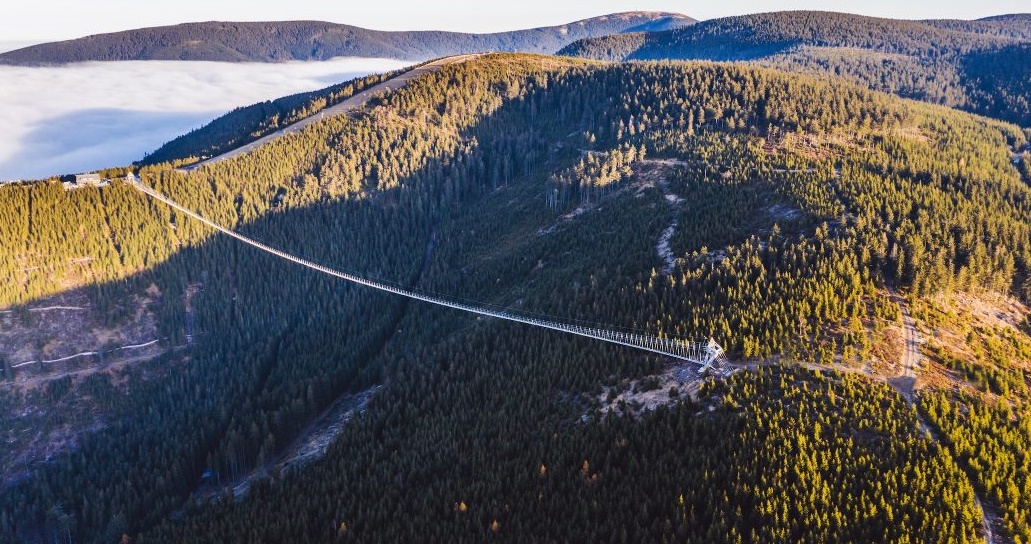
{"type": "Point", "coordinates": [444, 186]}
{"type": "Point", "coordinates": [1014, 25]}
{"type": "Point", "coordinates": [593, 178]}
{"type": "Point", "coordinates": [993, 81]}
{"type": "Point", "coordinates": [249, 123]}
{"type": "Point", "coordinates": [994, 359]}
{"type": "Point", "coordinates": [785, 455]}
{"type": "Point", "coordinates": [980, 66]}
{"type": "Point", "coordinates": [998, 82]}
{"type": "Point", "coordinates": [991, 440]}
{"type": "Point", "coordinates": [931, 80]}
{"type": "Point", "coordinates": [761, 34]}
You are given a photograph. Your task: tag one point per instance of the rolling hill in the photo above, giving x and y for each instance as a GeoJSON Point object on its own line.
{"type": "Point", "coordinates": [1014, 25]}
{"type": "Point", "coordinates": [314, 40]}
{"type": "Point", "coordinates": [942, 61]}
{"type": "Point", "coordinates": [748, 37]}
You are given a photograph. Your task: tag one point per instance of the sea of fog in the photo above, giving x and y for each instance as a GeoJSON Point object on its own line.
{"type": "Point", "coordinates": [81, 117]}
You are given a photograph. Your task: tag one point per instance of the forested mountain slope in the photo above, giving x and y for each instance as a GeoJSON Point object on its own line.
{"type": "Point", "coordinates": [249, 123]}
{"type": "Point", "coordinates": [1014, 25]}
{"type": "Point", "coordinates": [543, 184]}
{"type": "Point", "coordinates": [315, 40]}
{"type": "Point", "coordinates": [981, 66]}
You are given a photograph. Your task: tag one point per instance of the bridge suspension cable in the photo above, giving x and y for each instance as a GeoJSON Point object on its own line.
{"type": "Point", "coordinates": [706, 353]}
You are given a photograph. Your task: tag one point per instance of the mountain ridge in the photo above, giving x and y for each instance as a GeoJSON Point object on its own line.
{"type": "Point", "coordinates": [280, 41]}
{"type": "Point", "coordinates": [938, 61]}
{"type": "Point", "coordinates": [817, 28]}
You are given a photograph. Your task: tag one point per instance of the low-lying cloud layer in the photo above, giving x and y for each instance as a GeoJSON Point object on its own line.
{"type": "Point", "coordinates": [81, 117]}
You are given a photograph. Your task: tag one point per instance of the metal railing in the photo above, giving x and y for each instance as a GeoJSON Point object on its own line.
{"type": "Point", "coordinates": [706, 353]}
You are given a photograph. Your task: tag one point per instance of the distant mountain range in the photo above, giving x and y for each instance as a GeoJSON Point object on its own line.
{"type": "Point", "coordinates": [749, 37]}
{"type": "Point", "coordinates": [315, 40]}
{"type": "Point", "coordinates": [982, 66]}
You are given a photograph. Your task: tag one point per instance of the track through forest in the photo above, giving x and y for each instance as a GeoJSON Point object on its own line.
{"type": "Point", "coordinates": [909, 362]}
{"type": "Point", "coordinates": [357, 101]}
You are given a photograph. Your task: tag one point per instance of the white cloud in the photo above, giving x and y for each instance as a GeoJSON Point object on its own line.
{"type": "Point", "coordinates": [93, 115]}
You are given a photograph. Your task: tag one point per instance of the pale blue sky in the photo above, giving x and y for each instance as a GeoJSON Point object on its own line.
{"type": "Point", "coordinates": [64, 19]}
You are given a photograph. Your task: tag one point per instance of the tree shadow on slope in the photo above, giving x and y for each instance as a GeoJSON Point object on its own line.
{"type": "Point", "coordinates": [262, 365]}
{"type": "Point", "coordinates": [281, 342]}
{"type": "Point", "coordinates": [998, 82]}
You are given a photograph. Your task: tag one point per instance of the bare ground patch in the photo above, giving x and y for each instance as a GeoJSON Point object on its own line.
{"type": "Point", "coordinates": [680, 380]}
{"type": "Point", "coordinates": [976, 341]}
{"type": "Point", "coordinates": [309, 446]}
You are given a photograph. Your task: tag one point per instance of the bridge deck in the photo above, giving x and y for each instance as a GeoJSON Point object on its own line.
{"type": "Point", "coordinates": [706, 353]}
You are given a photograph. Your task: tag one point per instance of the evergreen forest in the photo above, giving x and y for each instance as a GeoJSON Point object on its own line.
{"type": "Point", "coordinates": [798, 212]}
{"type": "Point", "coordinates": [982, 66]}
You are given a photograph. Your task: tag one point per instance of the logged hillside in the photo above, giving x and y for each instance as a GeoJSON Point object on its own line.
{"type": "Point", "coordinates": [547, 185]}
{"type": "Point", "coordinates": [315, 40]}
{"type": "Point", "coordinates": [980, 66]}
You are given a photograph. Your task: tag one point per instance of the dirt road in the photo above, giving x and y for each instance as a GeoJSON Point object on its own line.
{"type": "Point", "coordinates": [911, 350]}
{"type": "Point", "coordinates": [910, 363]}
{"type": "Point", "coordinates": [355, 102]}
{"type": "Point", "coordinates": [909, 360]}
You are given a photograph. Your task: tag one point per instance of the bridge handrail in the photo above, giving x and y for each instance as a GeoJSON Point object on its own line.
{"type": "Point", "coordinates": [701, 353]}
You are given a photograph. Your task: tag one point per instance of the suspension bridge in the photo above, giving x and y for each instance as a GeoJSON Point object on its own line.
{"type": "Point", "coordinates": [706, 353]}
